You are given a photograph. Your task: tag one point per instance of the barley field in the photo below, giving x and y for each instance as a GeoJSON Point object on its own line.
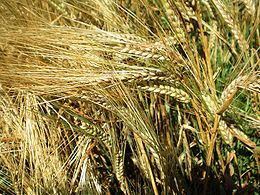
{"type": "Point", "coordinates": [129, 97]}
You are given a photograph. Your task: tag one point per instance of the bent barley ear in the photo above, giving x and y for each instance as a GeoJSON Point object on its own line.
{"type": "Point", "coordinates": [229, 93]}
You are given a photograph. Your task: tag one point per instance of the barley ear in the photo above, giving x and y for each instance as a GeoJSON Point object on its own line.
{"type": "Point", "coordinates": [229, 93]}
{"type": "Point", "coordinates": [225, 133]}
{"type": "Point", "coordinates": [119, 170]}
{"type": "Point", "coordinates": [176, 93]}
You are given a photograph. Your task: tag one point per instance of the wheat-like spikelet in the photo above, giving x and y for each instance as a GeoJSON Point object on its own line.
{"type": "Point", "coordinates": [131, 44]}
{"type": "Point", "coordinates": [76, 120]}
{"type": "Point", "coordinates": [158, 163]}
{"type": "Point", "coordinates": [256, 102]}
{"type": "Point", "coordinates": [113, 37]}
{"type": "Point", "coordinates": [254, 86]}
{"type": "Point", "coordinates": [136, 46]}
{"type": "Point", "coordinates": [95, 98]}
{"type": "Point", "coordinates": [119, 170]}
{"type": "Point", "coordinates": [231, 24]}
{"type": "Point", "coordinates": [250, 6]}
{"type": "Point", "coordinates": [153, 77]}
{"type": "Point", "coordinates": [210, 103]}
{"type": "Point", "coordinates": [178, 94]}
{"type": "Point", "coordinates": [187, 11]}
{"type": "Point", "coordinates": [96, 132]}
{"type": "Point", "coordinates": [225, 133]}
{"type": "Point", "coordinates": [213, 38]}
{"type": "Point", "coordinates": [229, 93]}
{"type": "Point", "coordinates": [60, 6]}
{"type": "Point", "coordinates": [232, 87]}
{"type": "Point", "coordinates": [131, 38]}
{"type": "Point", "coordinates": [175, 22]}
{"type": "Point", "coordinates": [242, 137]}
{"type": "Point", "coordinates": [205, 4]}
{"type": "Point", "coordinates": [189, 6]}
{"type": "Point", "coordinates": [144, 52]}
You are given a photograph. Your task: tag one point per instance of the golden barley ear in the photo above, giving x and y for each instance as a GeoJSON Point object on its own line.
{"type": "Point", "coordinates": [242, 137]}
{"type": "Point", "coordinates": [225, 133]}
{"type": "Point", "coordinates": [119, 170]}
{"type": "Point", "coordinates": [229, 93]}
{"type": "Point", "coordinates": [223, 12]}
{"type": "Point", "coordinates": [72, 118]}
{"type": "Point", "coordinates": [178, 94]}
{"type": "Point", "coordinates": [250, 6]}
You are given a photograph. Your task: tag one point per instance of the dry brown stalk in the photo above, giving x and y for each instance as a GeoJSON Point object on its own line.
{"type": "Point", "coordinates": [147, 164]}
{"type": "Point", "coordinates": [207, 63]}
{"type": "Point", "coordinates": [199, 117]}
{"type": "Point", "coordinates": [212, 140]}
